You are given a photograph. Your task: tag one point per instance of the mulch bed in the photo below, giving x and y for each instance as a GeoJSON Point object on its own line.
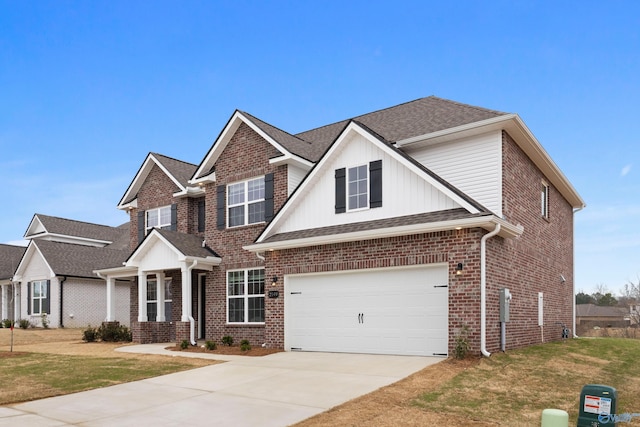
{"type": "Point", "coordinates": [227, 350]}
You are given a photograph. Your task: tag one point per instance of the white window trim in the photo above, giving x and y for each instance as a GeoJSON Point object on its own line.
{"type": "Point", "coordinates": [43, 285]}
{"type": "Point", "coordinates": [246, 202]}
{"type": "Point", "coordinates": [245, 297]}
{"type": "Point", "coordinates": [167, 286]}
{"type": "Point", "coordinates": [347, 193]}
{"type": "Point", "coordinates": [148, 228]}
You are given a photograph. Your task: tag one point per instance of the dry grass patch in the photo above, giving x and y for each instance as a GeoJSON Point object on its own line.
{"type": "Point", "coordinates": [509, 389]}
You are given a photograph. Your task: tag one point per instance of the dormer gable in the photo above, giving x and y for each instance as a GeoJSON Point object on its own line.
{"type": "Point", "coordinates": [396, 187]}
{"type": "Point", "coordinates": [45, 227]}
{"type": "Point", "coordinates": [177, 171]}
{"type": "Point", "coordinates": [290, 148]}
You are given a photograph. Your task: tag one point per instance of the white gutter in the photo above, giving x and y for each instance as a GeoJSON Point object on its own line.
{"type": "Point", "coordinates": [483, 290]}
{"type": "Point", "coordinates": [573, 282]}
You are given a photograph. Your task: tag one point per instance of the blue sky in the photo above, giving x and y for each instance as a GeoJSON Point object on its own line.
{"type": "Point", "coordinates": [87, 89]}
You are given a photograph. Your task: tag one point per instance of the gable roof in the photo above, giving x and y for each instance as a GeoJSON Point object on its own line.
{"type": "Point", "coordinates": [471, 213]}
{"type": "Point", "coordinates": [292, 149]}
{"type": "Point", "coordinates": [10, 257]}
{"type": "Point", "coordinates": [68, 259]}
{"type": "Point", "coordinates": [55, 228]}
{"type": "Point", "coordinates": [178, 171]}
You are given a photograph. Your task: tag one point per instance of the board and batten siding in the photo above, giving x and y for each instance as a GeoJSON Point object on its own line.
{"type": "Point", "coordinates": [473, 165]}
{"type": "Point", "coordinates": [403, 191]}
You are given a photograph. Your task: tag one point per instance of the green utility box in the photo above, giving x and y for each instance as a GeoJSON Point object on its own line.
{"type": "Point", "coordinates": [597, 405]}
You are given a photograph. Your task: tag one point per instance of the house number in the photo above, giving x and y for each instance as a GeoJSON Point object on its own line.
{"type": "Point", "coordinates": [274, 294]}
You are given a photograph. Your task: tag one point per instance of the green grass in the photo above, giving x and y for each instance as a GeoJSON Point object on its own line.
{"type": "Point", "coordinates": [513, 388]}
{"type": "Point", "coordinates": [32, 376]}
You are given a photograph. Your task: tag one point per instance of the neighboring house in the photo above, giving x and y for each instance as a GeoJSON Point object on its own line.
{"type": "Point", "coordinates": [589, 316]}
{"type": "Point", "coordinates": [392, 232]}
{"type": "Point", "coordinates": [55, 278]}
{"type": "Point", "coordinates": [10, 256]}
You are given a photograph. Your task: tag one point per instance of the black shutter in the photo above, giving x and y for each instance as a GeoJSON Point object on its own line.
{"type": "Point", "coordinates": [45, 302]}
{"type": "Point", "coordinates": [375, 184]}
{"type": "Point", "coordinates": [174, 217]}
{"type": "Point", "coordinates": [221, 208]}
{"type": "Point", "coordinates": [28, 297]}
{"type": "Point", "coordinates": [141, 226]}
{"type": "Point", "coordinates": [341, 191]}
{"type": "Point", "coordinates": [268, 197]}
{"type": "Point", "coordinates": [201, 215]}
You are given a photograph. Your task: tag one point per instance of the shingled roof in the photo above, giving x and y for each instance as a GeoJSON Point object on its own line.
{"type": "Point", "coordinates": [422, 218]}
{"type": "Point", "coordinates": [10, 257]}
{"type": "Point", "coordinates": [188, 244]}
{"type": "Point", "coordinates": [419, 117]}
{"type": "Point", "coordinates": [69, 227]}
{"type": "Point", "coordinates": [180, 170]}
{"type": "Point", "coordinates": [67, 259]}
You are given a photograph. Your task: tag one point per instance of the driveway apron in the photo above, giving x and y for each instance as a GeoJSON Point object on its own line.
{"type": "Point", "coordinates": [276, 390]}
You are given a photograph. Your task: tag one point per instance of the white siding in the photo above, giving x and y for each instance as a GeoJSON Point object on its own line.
{"type": "Point", "coordinates": [403, 191]}
{"type": "Point", "coordinates": [294, 177]}
{"type": "Point", "coordinates": [473, 165]}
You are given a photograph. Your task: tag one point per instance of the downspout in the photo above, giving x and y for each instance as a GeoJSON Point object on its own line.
{"type": "Point", "coordinates": [573, 281]}
{"type": "Point", "coordinates": [192, 321]}
{"type": "Point", "coordinates": [64, 279]}
{"type": "Point", "coordinates": [483, 289]}
{"type": "Point", "coordinates": [260, 257]}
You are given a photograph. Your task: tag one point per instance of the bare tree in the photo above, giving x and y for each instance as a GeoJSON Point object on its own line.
{"type": "Point", "coordinates": [631, 297]}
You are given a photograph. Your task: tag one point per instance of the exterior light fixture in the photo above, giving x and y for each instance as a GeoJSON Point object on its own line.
{"type": "Point", "coordinates": [274, 281]}
{"type": "Point", "coordinates": [459, 269]}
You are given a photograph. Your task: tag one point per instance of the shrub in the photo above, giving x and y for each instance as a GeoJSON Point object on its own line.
{"type": "Point", "coordinates": [111, 332]}
{"type": "Point", "coordinates": [184, 344]}
{"type": "Point", "coordinates": [210, 345]}
{"type": "Point", "coordinates": [90, 334]}
{"type": "Point", "coordinates": [24, 323]}
{"type": "Point", "coordinates": [462, 343]}
{"type": "Point", "coordinates": [227, 340]}
{"type": "Point", "coordinates": [244, 345]}
{"type": "Point", "coordinates": [7, 323]}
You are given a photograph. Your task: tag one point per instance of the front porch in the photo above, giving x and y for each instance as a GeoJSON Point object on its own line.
{"type": "Point", "coordinates": [169, 272]}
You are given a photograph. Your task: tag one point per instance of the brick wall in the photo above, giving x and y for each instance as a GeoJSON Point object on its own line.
{"type": "Point", "coordinates": [533, 262]}
{"type": "Point", "coordinates": [245, 157]}
{"type": "Point", "coordinates": [449, 247]}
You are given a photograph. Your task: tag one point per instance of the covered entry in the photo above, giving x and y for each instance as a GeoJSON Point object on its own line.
{"type": "Point", "coordinates": [384, 311]}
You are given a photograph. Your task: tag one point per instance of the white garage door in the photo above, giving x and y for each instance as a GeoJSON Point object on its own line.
{"type": "Point", "coordinates": [388, 311]}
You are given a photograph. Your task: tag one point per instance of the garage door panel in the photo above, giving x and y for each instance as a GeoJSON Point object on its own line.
{"type": "Point", "coordinates": [392, 311]}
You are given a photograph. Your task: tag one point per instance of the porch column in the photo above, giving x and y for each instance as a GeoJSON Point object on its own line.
{"type": "Point", "coordinates": [186, 292]}
{"type": "Point", "coordinates": [161, 317]}
{"type": "Point", "coordinates": [142, 296]}
{"type": "Point", "coordinates": [17, 314]}
{"type": "Point", "coordinates": [4, 313]}
{"type": "Point", "coordinates": [111, 299]}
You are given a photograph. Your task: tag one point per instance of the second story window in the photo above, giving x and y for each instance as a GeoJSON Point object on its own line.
{"type": "Point", "coordinates": [158, 218]}
{"type": "Point", "coordinates": [358, 188]}
{"type": "Point", "coordinates": [246, 202]}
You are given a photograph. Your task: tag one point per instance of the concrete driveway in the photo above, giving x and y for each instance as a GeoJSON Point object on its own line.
{"type": "Point", "coordinates": [276, 390]}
